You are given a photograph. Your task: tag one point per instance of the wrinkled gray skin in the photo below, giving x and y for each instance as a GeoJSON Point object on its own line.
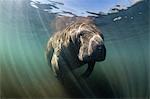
{"type": "Point", "coordinates": [84, 47]}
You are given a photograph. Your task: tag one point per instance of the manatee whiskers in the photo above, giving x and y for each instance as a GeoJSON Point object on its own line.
{"type": "Point", "coordinates": [79, 43]}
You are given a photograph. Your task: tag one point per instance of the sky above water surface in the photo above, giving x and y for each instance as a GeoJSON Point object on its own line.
{"type": "Point", "coordinates": [80, 7]}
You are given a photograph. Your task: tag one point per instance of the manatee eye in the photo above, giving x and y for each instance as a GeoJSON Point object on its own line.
{"type": "Point", "coordinates": [81, 34]}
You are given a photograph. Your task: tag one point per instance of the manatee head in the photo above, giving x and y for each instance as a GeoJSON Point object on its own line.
{"type": "Point", "coordinates": [92, 46]}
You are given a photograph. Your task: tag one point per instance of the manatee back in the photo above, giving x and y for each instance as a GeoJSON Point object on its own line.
{"type": "Point", "coordinates": [60, 23]}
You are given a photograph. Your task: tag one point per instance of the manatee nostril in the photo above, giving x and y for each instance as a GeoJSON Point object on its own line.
{"type": "Point", "coordinates": [99, 47]}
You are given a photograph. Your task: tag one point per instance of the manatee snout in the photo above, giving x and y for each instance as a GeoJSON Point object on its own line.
{"type": "Point", "coordinates": [96, 51]}
{"type": "Point", "coordinates": [99, 53]}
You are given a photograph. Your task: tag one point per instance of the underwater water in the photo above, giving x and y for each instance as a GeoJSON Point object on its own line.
{"type": "Point", "coordinates": [24, 72]}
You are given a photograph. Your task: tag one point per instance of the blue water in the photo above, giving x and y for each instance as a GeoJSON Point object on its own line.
{"type": "Point", "coordinates": [24, 32]}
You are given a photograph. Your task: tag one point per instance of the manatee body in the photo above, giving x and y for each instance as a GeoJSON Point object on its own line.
{"type": "Point", "coordinates": [77, 44]}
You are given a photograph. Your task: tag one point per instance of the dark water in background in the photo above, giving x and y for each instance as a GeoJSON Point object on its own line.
{"type": "Point", "coordinates": [24, 32]}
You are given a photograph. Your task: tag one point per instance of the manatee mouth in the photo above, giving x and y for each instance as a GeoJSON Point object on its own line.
{"type": "Point", "coordinates": [98, 54]}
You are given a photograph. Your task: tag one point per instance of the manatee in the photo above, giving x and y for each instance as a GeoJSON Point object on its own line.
{"type": "Point", "coordinates": [77, 42]}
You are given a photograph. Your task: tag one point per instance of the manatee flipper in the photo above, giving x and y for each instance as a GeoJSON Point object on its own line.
{"type": "Point", "coordinates": [89, 69]}
{"type": "Point", "coordinates": [54, 62]}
